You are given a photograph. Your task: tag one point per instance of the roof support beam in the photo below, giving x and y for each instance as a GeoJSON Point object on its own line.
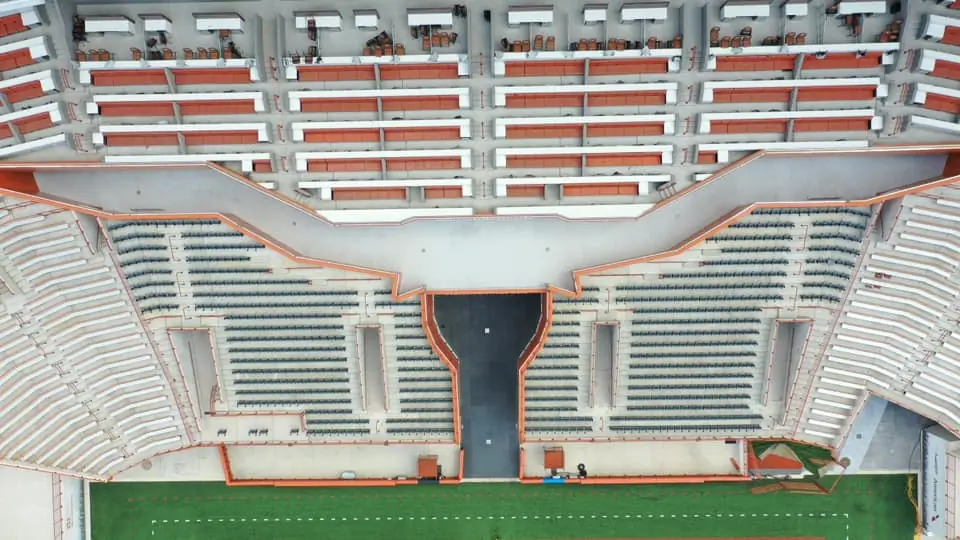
{"type": "Point", "coordinates": [794, 92]}
{"type": "Point", "coordinates": [15, 131]}
{"type": "Point", "coordinates": [171, 80]}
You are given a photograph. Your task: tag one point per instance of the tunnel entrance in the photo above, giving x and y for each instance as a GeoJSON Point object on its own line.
{"type": "Point", "coordinates": [488, 333]}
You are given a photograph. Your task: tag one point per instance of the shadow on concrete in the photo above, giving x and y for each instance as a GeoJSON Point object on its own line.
{"type": "Point", "coordinates": [488, 333]}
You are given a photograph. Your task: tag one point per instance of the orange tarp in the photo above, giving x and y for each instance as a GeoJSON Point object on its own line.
{"type": "Point", "coordinates": [774, 461]}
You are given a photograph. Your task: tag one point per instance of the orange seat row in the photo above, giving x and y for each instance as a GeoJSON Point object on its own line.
{"type": "Point", "coordinates": [134, 77]}
{"type": "Point", "coordinates": [831, 124]}
{"type": "Point", "coordinates": [938, 102]}
{"type": "Point", "coordinates": [628, 67]}
{"type": "Point", "coordinates": [394, 194]}
{"type": "Point", "coordinates": [624, 160]}
{"type": "Point", "coordinates": [782, 95]}
{"type": "Point", "coordinates": [756, 63]}
{"type": "Point", "coordinates": [23, 92]}
{"type": "Point", "coordinates": [220, 137]}
{"type": "Point", "coordinates": [600, 190]}
{"type": "Point", "coordinates": [212, 76]}
{"type": "Point", "coordinates": [544, 69]}
{"type": "Point", "coordinates": [625, 130]}
{"type": "Point", "coordinates": [843, 61]}
{"type": "Point", "coordinates": [545, 132]}
{"type": "Point", "coordinates": [621, 99]}
{"type": "Point", "coordinates": [369, 194]}
{"type": "Point", "coordinates": [706, 158]}
{"type": "Point", "coordinates": [443, 192]}
{"type": "Point", "coordinates": [787, 62]}
{"type": "Point", "coordinates": [15, 59]}
{"type": "Point", "coordinates": [141, 139]}
{"type": "Point", "coordinates": [422, 134]}
{"type": "Point", "coordinates": [575, 131]}
{"type": "Point", "coordinates": [33, 123]}
{"type": "Point", "coordinates": [542, 101]}
{"type": "Point", "coordinates": [594, 160]}
{"type": "Point", "coordinates": [425, 103]}
{"type": "Point", "coordinates": [26, 125]}
{"type": "Point", "coordinates": [951, 36]}
{"type": "Point", "coordinates": [12, 24]}
{"type": "Point", "coordinates": [780, 126]}
{"type": "Point", "coordinates": [423, 164]}
{"type": "Point", "coordinates": [342, 136]}
{"type": "Point", "coordinates": [339, 105]}
{"type": "Point", "coordinates": [390, 134]}
{"type": "Point", "coordinates": [526, 191]}
{"type": "Point", "coordinates": [335, 73]}
{"type": "Point", "coordinates": [946, 70]}
{"type": "Point", "coordinates": [171, 139]}
{"type": "Point", "coordinates": [187, 108]}
{"type": "Point", "coordinates": [396, 164]}
{"type": "Point", "coordinates": [423, 71]}
{"type": "Point", "coordinates": [595, 99]}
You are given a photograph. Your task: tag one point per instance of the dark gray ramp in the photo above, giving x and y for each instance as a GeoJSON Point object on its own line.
{"type": "Point", "coordinates": [488, 333]}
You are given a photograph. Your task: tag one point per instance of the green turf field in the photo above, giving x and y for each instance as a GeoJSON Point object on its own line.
{"type": "Point", "coordinates": [861, 508]}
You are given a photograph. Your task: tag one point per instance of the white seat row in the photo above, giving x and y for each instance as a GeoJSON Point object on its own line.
{"type": "Point", "coordinates": [79, 309]}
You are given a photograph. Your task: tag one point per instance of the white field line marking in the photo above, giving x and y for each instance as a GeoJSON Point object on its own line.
{"type": "Point", "coordinates": [514, 517]}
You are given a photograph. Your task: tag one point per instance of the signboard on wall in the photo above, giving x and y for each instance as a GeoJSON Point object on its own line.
{"type": "Point", "coordinates": [933, 481]}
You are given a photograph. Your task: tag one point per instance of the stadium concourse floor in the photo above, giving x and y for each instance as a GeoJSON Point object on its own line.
{"type": "Point", "coordinates": [861, 508]}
